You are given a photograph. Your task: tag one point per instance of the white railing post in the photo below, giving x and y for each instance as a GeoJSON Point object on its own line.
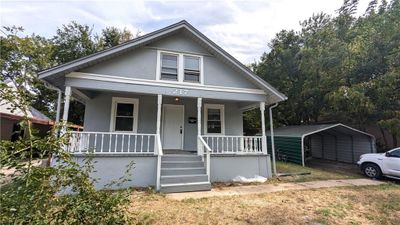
{"type": "Point", "coordinates": [157, 143]}
{"type": "Point", "coordinates": [200, 150]}
{"type": "Point", "coordinates": [158, 128]}
{"type": "Point", "coordinates": [264, 137]}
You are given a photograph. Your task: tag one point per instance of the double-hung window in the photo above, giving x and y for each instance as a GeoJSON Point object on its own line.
{"type": "Point", "coordinates": [169, 66]}
{"type": "Point", "coordinates": [191, 68]}
{"type": "Point", "coordinates": [179, 67]}
{"type": "Point", "coordinates": [124, 116]}
{"type": "Point", "coordinates": [214, 121]}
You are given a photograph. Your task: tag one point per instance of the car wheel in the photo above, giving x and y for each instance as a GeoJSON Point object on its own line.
{"type": "Point", "coordinates": [372, 171]}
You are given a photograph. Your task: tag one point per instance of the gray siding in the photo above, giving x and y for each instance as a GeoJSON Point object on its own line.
{"type": "Point", "coordinates": [141, 63]}
{"type": "Point", "coordinates": [98, 115]}
{"type": "Point", "coordinates": [225, 168]}
{"type": "Point", "coordinates": [110, 168]}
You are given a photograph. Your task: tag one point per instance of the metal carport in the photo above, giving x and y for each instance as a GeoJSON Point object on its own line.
{"type": "Point", "coordinates": [336, 142]}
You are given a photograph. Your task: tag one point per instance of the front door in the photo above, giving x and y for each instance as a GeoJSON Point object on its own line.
{"type": "Point", "coordinates": [172, 130]}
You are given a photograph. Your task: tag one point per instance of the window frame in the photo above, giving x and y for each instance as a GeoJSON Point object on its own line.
{"type": "Point", "coordinates": [184, 69]}
{"type": "Point", "coordinates": [221, 107]}
{"type": "Point", "coordinates": [177, 66]}
{"type": "Point", "coordinates": [181, 67]}
{"type": "Point", "coordinates": [114, 104]}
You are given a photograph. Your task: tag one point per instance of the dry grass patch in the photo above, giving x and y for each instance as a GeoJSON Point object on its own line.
{"type": "Point", "coordinates": [347, 205]}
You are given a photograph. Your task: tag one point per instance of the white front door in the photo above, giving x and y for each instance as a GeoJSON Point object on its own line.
{"type": "Point", "coordinates": [172, 131]}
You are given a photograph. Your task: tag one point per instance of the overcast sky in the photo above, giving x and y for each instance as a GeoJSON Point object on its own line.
{"type": "Point", "coordinates": [243, 28]}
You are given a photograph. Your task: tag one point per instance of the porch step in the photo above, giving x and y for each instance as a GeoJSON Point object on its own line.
{"type": "Point", "coordinates": [182, 171]}
{"type": "Point", "coordinates": [176, 157]}
{"type": "Point", "coordinates": [184, 178]}
{"type": "Point", "coordinates": [180, 152]}
{"type": "Point", "coordinates": [185, 187]}
{"type": "Point", "coordinates": [182, 164]}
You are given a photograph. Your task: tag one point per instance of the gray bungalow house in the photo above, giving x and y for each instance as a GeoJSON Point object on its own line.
{"type": "Point", "coordinates": [171, 101]}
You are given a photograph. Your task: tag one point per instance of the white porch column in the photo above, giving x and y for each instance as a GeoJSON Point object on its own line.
{"type": "Point", "coordinates": [271, 123]}
{"type": "Point", "coordinates": [199, 147]}
{"type": "Point", "coordinates": [264, 137]}
{"type": "Point", "coordinates": [159, 104]}
{"type": "Point", "coordinates": [66, 103]}
{"type": "Point", "coordinates": [58, 106]}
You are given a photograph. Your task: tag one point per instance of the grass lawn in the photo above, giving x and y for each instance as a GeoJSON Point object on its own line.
{"type": "Point", "coordinates": [346, 205]}
{"type": "Point", "coordinates": [315, 174]}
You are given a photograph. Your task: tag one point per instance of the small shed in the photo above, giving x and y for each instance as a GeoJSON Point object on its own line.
{"type": "Point", "coordinates": [336, 142]}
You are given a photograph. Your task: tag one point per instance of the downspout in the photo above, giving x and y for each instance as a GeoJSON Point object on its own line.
{"type": "Point", "coordinates": [271, 124]}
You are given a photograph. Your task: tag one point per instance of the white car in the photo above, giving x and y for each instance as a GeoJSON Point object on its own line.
{"type": "Point", "coordinates": [376, 165]}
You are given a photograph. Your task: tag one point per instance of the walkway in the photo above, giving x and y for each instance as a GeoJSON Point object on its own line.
{"type": "Point", "coordinates": [268, 188]}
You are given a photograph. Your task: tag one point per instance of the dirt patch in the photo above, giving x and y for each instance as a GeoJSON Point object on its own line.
{"type": "Point", "coordinates": [346, 205]}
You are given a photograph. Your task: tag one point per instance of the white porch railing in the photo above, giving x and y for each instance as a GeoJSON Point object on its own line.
{"type": "Point", "coordinates": [111, 142]}
{"type": "Point", "coordinates": [204, 146]}
{"type": "Point", "coordinates": [234, 144]}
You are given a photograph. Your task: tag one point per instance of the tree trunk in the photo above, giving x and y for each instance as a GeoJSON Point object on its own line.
{"type": "Point", "coordinates": [384, 137]}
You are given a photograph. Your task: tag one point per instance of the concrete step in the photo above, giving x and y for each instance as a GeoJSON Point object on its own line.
{"type": "Point", "coordinates": [185, 187]}
{"type": "Point", "coordinates": [176, 157]}
{"type": "Point", "coordinates": [182, 171]}
{"type": "Point", "coordinates": [173, 179]}
{"type": "Point", "coordinates": [174, 151]}
{"type": "Point", "coordinates": [181, 164]}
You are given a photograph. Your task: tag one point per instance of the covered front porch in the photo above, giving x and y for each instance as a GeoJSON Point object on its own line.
{"type": "Point", "coordinates": [123, 126]}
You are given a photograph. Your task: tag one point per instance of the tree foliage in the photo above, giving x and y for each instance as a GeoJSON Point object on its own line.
{"type": "Point", "coordinates": [339, 68]}
{"type": "Point", "coordinates": [35, 53]}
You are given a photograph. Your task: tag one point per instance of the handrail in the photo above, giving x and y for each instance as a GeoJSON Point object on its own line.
{"type": "Point", "coordinates": [208, 151]}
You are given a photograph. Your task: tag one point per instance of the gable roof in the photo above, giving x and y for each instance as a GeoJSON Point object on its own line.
{"type": "Point", "coordinates": [304, 130]}
{"type": "Point", "coordinates": [142, 40]}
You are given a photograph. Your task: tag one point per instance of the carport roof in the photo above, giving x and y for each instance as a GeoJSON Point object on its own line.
{"type": "Point", "coordinates": [304, 130]}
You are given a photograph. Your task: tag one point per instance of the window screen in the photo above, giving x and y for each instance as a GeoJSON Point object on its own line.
{"type": "Point", "coordinates": [124, 117]}
{"type": "Point", "coordinates": [214, 121]}
{"type": "Point", "coordinates": [192, 68]}
{"type": "Point", "coordinates": [169, 67]}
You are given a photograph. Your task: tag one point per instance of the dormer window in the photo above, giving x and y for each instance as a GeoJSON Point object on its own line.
{"type": "Point", "coordinates": [181, 67]}
{"type": "Point", "coordinates": [169, 66]}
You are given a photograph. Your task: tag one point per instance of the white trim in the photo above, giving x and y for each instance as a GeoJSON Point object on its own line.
{"type": "Point", "coordinates": [221, 107]}
{"type": "Point", "coordinates": [180, 67]}
{"type": "Point", "coordinates": [163, 83]}
{"type": "Point", "coordinates": [183, 122]}
{"type": "Point", "coordinates": [135, 102]}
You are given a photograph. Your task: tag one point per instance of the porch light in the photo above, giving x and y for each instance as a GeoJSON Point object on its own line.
{"type": "Point", "coordinates": [177, 99]}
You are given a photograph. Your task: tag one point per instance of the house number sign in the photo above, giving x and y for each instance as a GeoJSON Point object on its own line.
{"type": "Point", "coordinates": [180, 92]}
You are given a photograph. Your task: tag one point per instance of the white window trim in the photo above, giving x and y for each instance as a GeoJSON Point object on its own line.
{"type": "Point", "coordinates": [214, 106]}
{"type": "Point", "coordinates": [133, 101]}
{"type": "Point", "coordinates": [180, 67]}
